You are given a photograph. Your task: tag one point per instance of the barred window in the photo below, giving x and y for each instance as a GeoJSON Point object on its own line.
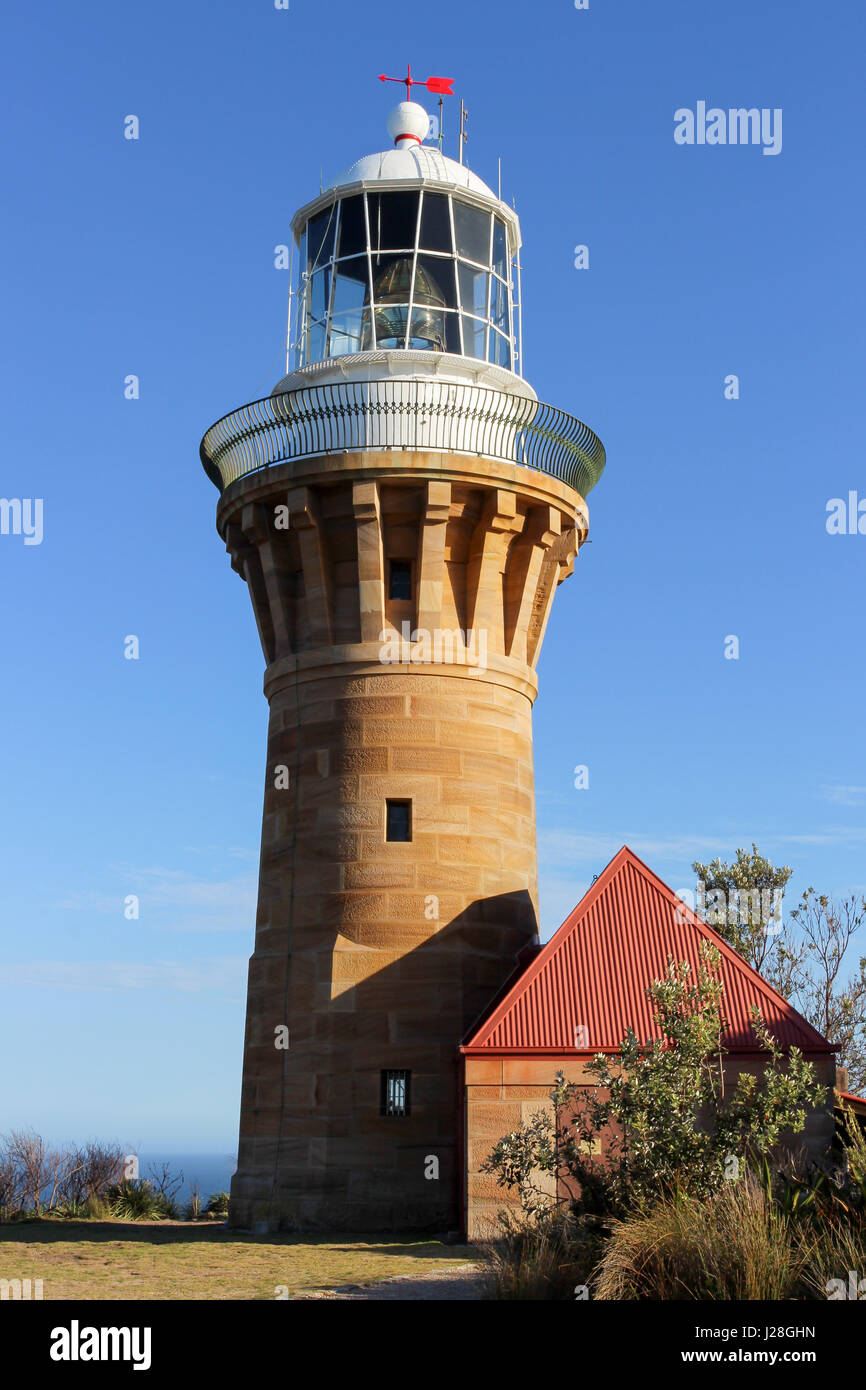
{"type": "Point", "coordinates": [395, 1092]}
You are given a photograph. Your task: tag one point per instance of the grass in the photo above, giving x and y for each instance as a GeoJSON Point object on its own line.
{"type": "Point", "coordinates": [734, 1245]}
{"type": "Point", "coordinates": [186, 1260]}
{"type": "Point", "coordinates": [541, 1262]}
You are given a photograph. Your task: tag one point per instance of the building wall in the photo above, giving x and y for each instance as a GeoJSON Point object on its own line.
{"type": "Point", "coordinates": [378, 955]}
{"type": "Point", "coordinates": [502, 1093]}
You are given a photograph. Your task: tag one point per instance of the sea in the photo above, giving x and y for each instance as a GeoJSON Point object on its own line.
{"type": "Point", "coordinates": [210, 1173]}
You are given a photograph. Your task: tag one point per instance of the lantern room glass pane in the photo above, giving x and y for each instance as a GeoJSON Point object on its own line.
{"type": "Point", "coordinates": [451, 324]}
{"type": "Point", "coordinates": [500, 349]}
{"type": "Point", "coordinates": [320, 237]}
{"type": "Point", "coordinates": [472, 230]}
{"type": "Point", "coordinates": [315, 342]}
{"type": "Point", "coordinates": [353, 228]}
{"type": "Point", "coordinates": [434, 277]}
{"type": "Point", "coordinates": [319, 292]}
{"type": "Point", "coordinates": [347, 333]}
{"type": "Point", "coordinates": [435, 234]}
{"type": "Point", "coordinates": [500, 249]}
{"type": "Point", "coordinates": [473, 289]}
{"type": "Point", "coordinates": [474, 338]}
{"type": "Point", "coordinates": [499, 303]}
{"type": "Point", "coordinates": [351, 287]}
{"type": "Point", "coordinates": [393, 221]}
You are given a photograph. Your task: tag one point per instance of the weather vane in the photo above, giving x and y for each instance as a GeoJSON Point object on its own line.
{"type": "Point", "coordinates": [442, 86]}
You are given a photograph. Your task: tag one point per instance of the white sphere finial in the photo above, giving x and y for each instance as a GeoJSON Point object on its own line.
{"type": "Point", "coordinates": [408, 124]}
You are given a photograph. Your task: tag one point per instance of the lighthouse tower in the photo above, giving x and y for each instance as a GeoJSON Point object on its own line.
{"type": "Point", "coordinates": [402, 508]}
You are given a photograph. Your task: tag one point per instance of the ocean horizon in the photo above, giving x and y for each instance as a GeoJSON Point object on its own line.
{"type": "Point", "coordinates": [208, 1172]}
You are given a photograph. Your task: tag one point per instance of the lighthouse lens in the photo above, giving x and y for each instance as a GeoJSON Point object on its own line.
{"type": "Point", "coordinates": [391, 326]}
{"type": "Point", "coordinates": [435, 283]}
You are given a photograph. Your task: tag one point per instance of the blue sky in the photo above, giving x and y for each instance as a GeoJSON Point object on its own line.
{"type": "Point", "coordinates": [155, 257]}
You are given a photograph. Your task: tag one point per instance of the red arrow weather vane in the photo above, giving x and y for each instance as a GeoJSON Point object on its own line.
{"type": "Point", "coordinates": [442, 86]}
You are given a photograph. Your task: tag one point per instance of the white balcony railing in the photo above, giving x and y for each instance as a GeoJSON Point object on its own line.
{"type": "Point", "coordinates": [448, 417]}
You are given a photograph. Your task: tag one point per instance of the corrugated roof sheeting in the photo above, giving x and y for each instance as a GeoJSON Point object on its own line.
{"type": "Point", "coordinates": [594, 972]}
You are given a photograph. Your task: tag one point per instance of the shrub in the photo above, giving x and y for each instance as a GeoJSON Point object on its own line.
{"type": "Point", "coordinates": [193, 1206]}
{"type": "Point", "coordinates": [140, 1201]}
{"type": "Point", "coordinates": [837, 1253]}
{"type": "Point", "coordinates": [542, 1259]}
{"type": "Point", "coordinates": [218, 1204]}
{"type": "Point", "coordinates": [657, 1119]}
{"type": "Point", "coordinates": [734, 1244]}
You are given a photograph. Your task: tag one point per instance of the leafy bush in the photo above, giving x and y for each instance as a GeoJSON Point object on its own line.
{"type": "Point", "coordinates": [218, 1204]}
{"type": "Point", "coordinates": [657, 1119]}
{"type": "Point", "coordinates": [140, 1201]}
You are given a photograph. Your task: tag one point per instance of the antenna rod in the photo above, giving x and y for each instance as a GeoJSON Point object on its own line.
{"type": "Point", "coordinates": [500, 178]}
{"type": "Point", "coordinates": [463, 115]}
{"type": "Point", "coordinates": [441, 123]}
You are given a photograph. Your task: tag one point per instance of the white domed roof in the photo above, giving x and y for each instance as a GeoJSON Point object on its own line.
{"type": "Point", "coordinates": [415, 162]}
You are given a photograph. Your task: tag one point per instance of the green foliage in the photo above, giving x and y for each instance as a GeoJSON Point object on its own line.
{"type": "Point", "coordinates": [96, 1207]}
{"type": "Point", "coordinates": [732, 1244]}
{"type": "Point", "coordinates": [831, 1253]}
{"type": "Point", "coordinates": [743, 904]}
{"type": "Point", "coordinates": [218, 1204]}
{"type": "Point", "coordinates": [521, 1156]}
{"type": "Point", "coordinates": [801, 958]}
{"type": "Point", "coordinates": [545, 1259]}
{"type": "Point", "coordinates": [140, 1201]}
{"type": "Point", "coordinates": [657, 1118]}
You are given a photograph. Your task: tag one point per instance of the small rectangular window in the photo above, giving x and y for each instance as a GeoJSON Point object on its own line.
{"type": "Point", "coordinates": [400, 579]}
{"type": "Point", "coordinates": [398, 820]}
{"type": "Point", "coordinates": [394, 1098]}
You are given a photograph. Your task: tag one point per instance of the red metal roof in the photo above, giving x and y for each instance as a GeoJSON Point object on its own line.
{"type": "Point", "coordinates": [593, 973]}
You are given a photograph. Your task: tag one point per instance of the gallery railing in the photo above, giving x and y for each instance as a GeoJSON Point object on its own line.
{"type": "Point", "coordinates": [447, 417]}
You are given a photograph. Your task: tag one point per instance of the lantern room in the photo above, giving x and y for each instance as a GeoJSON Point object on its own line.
{"type": "Point", "coordinates": [407, 251]}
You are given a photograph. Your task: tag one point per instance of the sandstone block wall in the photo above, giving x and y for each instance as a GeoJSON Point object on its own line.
{"type": "Point", "coordinates": [379, 955]}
